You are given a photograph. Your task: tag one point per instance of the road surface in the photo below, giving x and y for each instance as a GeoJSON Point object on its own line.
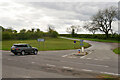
{"type": "Point", "coordinates": [62, 64]}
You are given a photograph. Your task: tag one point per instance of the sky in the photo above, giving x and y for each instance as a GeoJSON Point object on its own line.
{"type": "Point", "coordinates": [30, 14]}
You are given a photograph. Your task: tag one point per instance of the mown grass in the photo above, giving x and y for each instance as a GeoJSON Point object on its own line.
{"type": "Point", "coordinates": [117, 50]}
{"type": "Point", "coordinates": [49, 44]}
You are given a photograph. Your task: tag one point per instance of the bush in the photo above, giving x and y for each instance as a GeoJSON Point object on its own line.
{"type": "Point", "coordinates": [6, 35]}
{"type": "Point", "coordinates": [54, 34]}
{"type": "Point", "coordinates": [24, 35]}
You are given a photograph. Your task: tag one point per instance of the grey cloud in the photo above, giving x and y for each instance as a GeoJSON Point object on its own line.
{"type": "Point", "coordinates": [60, 14]}
{"type": "Point", "coordinates": [84, 8]}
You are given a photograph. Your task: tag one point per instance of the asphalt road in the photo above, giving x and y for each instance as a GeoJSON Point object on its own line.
{"type": "Point", "coordinates": [62, 64]}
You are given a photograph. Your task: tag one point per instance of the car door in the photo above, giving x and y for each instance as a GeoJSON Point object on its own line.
{"type": "Point", "coordinates": [29, 48]}
{"type": "Point", "coordinates": [26, 48]}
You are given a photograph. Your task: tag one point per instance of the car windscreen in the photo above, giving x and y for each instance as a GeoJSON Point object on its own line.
{"type": "Point", "coordinates": [20, 45]}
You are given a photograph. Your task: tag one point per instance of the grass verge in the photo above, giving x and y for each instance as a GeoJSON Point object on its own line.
{"type": "Point", "coordinates": [108, 77]}
{"type": "Point", "coordinates": [99, 40]}
{"type": "Point", "coordinates": [117, 50]}
{"type": "Point", "coordinates": [50, 44]}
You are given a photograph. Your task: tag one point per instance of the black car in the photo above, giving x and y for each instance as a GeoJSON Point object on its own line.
{"type": "Point", "coordinates": [22, 49]}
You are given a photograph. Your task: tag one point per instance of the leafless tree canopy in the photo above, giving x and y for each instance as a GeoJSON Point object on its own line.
{"type": "Point", "coordinates": [75, 28]}
{"type": "Point", "coordinates": [50, 27]}
{"type": "Point", "coordinates": [104, 18]}
{"type": "Point", "coordinates": [90, 27]}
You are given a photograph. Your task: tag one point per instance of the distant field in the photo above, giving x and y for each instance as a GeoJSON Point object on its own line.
{"type": "Point", "coordinates": [117, 50]}
{"type": "Point", "coordinates": [50, 44]}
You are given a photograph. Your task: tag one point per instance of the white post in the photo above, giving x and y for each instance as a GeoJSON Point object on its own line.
{"type": "Point", "coordinates": [83, 49]}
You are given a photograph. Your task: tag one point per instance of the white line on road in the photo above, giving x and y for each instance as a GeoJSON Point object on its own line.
{"type": "Point", "coordinates": [27, 77]}
{"type": "Point", "coordinates": [86, 64]}
{"type": "Point", "coordinates": [64, 55]}
{"type": "Point", "coordinates": [87, 70]}
{"type": "Point", "coordinates": [82, 57]}
{"type": "Point", "coordinates": [85, 55]}
{"type": "Point", "coordinates": [96, 59]}
{"type": "Point", "coordinates": [96, 65]}
{"type": "Point", "coordinates": [32, 62]}
{"type": "Point", "coordinates": [67, 67]}
{"type": "Point", "coordinates": [50, 65]}
{"type": "Point", "coordinates": [109, 73]}
{"type": "Point", "coordinates": [88, 58]}
{"type": "Point", "coordinates": [72, 57]}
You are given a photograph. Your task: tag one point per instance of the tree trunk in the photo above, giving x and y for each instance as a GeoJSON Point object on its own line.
{"type": "Point", "coordinates": [106, 33]}
{"type": "Point", "coordinates": [73, 32]}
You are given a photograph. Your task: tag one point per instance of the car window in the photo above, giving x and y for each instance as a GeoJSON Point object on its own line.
{"type": "Point", "coordinates": [20, 45]}
{"type": "Point", "coordinates": [28, 46]}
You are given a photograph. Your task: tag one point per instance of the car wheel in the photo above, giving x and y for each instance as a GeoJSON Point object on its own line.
{"type": "Point", "coordinates": [35, 52]}
{"type": "Point", "coordinates": [18, 54]}
{"type": "Point", "coordinates": [23, 52]}
{"type": "Point", "coordinates": [15, 53]}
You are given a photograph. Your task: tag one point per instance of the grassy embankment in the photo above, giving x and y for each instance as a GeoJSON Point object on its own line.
{"type": "Point", "coordinates": [50, 44]}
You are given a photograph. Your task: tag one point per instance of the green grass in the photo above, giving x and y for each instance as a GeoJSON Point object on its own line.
{"type": "Point", "coordinates": [50, 44]}
{"type": "Point", "coordinates": [99, 40]}
{"type": "Point", "coordinates": [108, 77]}
{"type": "Point", "coordinates": [117, 50]}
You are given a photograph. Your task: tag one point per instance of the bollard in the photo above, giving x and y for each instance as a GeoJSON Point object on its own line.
{"type": "Point", "coordinates": [83, 49]}
{"type": "Point", "coordinates": [78, 51]}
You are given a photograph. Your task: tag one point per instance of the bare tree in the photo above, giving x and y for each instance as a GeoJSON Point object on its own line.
{"type": "Point", "coordinates": [51, 28]}
{"type": "Point", "coordinates": [104, 18]}
{"type": "Point", "coordinates": [73, 29]}
{"type": "Point", "coordinates": [90, 27]}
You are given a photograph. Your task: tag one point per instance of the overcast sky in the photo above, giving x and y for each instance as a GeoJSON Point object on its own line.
{"type": "Point", "coordinates": [27, 15]}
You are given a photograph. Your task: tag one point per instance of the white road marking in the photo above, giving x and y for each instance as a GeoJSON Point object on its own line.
{"type": "Point", "coordinates": [82, 57]}
{"type": "Point", "coordinates": [32, 62]}
{"type": "Point", "coordinates": [96, 59]}
{"type": "Point", "coordinates": [67, 67]}
{"type": "Point", "coordinates": [96, 65]}
{"type": "Point", "coordinates": [86, 64]}
{"type": "Point", "coordinates": [87, 70]}
{"type": "Point", "coordinates": [86, 55]}
{"type": "Point", "coordinates": [72, 57]}
{"type": "Point", "coordinates": [88, 58]}
{"type": "Point", "coordinates": [27, 76]}
{"type": "Point", "coordinates": [64, 55]}
{"type": "Point", "coordinates": [109, 73]}
{"type": "Point", "coordinates": [50, 65]}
